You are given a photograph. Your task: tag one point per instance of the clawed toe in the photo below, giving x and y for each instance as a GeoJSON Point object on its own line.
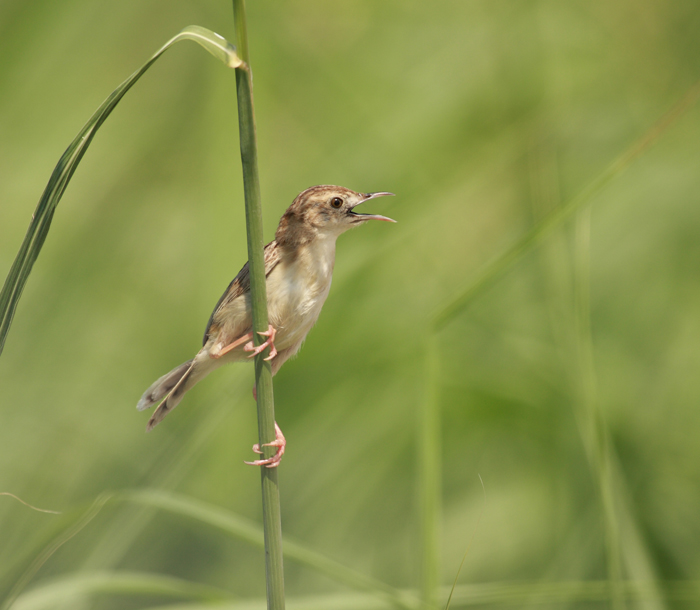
{"type": "Point", "coordinates": [272, 462]}
{"type": "Point", "coordinates": [270, 334]}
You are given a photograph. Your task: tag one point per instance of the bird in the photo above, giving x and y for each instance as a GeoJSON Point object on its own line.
{"type": "Point", "coordinates": [298, 270]}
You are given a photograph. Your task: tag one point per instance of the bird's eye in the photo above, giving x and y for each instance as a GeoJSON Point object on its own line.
{"type": "Point", "coordinates": [336, 202]}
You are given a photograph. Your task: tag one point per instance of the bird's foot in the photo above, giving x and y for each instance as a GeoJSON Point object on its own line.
{"type": "Point", "coordinates": [270, 334]}
{"type": "Point", "coordinates": [272, 462]}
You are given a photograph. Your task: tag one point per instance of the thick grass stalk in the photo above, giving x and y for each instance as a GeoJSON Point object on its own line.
{"type": "Point", "coordinates": [263, 375]}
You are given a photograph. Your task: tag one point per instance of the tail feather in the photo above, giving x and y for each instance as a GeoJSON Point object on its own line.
{"type": "Point", "coordinates": [174, 396]}
{"type": "Point", "coordinates": [170, 388]}
{"type": "Point", "coordinates": [163, 386]}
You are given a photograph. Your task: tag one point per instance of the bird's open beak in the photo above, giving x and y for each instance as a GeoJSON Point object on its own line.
{"type": "Point", "coordinates": [369, 196]}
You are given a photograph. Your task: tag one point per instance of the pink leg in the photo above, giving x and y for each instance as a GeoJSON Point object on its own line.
{"type": "Point", "coordinates": [270, 334]}
{"type": "Point", "coordinates": [235, 344]}
{"type": "Point", "coordinates": [272, 462]}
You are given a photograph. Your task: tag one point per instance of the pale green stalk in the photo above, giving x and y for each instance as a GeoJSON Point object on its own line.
{"type": "Point", "coordinates": [429, 475]}
{"type": "Point", "coordinates": [596, 433]}
{"type": "Point", "coordinates": [272, 520]}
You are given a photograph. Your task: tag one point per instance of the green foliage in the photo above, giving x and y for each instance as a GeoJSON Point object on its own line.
{"type": "Point", "coordinates": [485, 118]}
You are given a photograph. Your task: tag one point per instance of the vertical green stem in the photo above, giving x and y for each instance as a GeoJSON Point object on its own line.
{"type": "Point", "coordinates": [263, 376]}
{"type": "Point", "coordinates": [597, 433]}
{"type": "Point", "coordinates": [429, 474]}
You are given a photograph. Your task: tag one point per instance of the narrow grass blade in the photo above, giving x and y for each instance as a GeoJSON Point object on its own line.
{"type": "Point", "coordinates": [469, 546]}
{"type": "Point", "coordinates": [68, 163]}
{"type": "Point", "coordinates": [70, 527]}
{"type": "Point", "coordinates": [39, 510]}
{"type": "Point", "coordinates": [224, 520]}
{"type": "Point", "coordinates": [542, 229]}
{"type": "Point", "coordinates": [68, 588]}
{"type": "Point", "coordinates": [568, 592]}
{"type": "Point", "coordinates": [594, 425]}
{"type": "Point", "coordinates": [429, 474]}
{"type": "Point", "coordinates": [129, 522]}
{"type": "Point", "coordinates": [503, 594]}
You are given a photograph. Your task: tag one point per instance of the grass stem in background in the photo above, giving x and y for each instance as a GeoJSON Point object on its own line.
{"type": "Point", "coordinates": [592, 418]}
{"type": "Point", "coordinates": [429, 483]}
{"type": "Point", "coordinates": [272, 520]}
{"type": "Point", "coordinates": [542, 229]}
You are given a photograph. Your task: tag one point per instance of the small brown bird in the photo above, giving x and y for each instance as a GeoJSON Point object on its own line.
{"type": "Point", "coordinates": [299, 268]}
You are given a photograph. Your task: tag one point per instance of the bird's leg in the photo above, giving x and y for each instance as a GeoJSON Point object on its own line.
{"type": "Point", "coordinates": [230, 346]}
{"type": "Point", "coordinates": [274, 461]}
{"type": "Point", "coordinates": [270, 334]}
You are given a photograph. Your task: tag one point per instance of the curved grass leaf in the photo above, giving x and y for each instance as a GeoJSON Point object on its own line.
{"type": "Point", "coordinates": [69, 526]}
{"type": "Point", "coordinates": [252, 533]}
{"type": "Point", "coordinates": [75, 586]}
{"type": "Point", "coordinates": [220, 518]}
{"type": "Point", "coordinates": [43, 215]}
{"type": "Point", "coordinates": [116, 538]}
{"type": "Point", "coordinates": [502, 594]}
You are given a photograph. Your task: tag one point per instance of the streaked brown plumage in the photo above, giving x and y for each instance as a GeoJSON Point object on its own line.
{"type": "Point", "coordinates": [298, 270]}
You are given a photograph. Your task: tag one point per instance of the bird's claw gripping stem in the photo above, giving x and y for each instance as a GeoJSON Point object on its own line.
{"type": "Point", "coordinates": [270, 334]}
{"type": "Point", "coordinates": [272, 462]}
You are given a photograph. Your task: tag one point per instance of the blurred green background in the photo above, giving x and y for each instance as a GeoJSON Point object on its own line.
{"type": "Point", "coordinates": [482, 116]}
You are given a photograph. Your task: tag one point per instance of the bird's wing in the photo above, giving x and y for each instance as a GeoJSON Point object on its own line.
{"type": "Point", "coordinates": [239, 287]}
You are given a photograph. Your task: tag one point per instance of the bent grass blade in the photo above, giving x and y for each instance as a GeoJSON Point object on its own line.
{"type": "Point", "coordinates": [69, 161]}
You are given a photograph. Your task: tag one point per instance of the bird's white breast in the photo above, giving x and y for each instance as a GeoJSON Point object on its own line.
{"type": "Point", "coordinates": [297, 288]}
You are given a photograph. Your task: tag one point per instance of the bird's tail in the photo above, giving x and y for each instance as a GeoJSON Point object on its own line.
{"type": "Point", "coordinates": [171, 387]}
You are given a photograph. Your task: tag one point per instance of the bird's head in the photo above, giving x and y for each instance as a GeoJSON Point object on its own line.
{"type": "Point", "coordinates": [323, 211]}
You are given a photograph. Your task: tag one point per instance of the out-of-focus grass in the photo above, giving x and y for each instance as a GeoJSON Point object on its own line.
{"type": "Point", "coordinates": [482, 117]}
